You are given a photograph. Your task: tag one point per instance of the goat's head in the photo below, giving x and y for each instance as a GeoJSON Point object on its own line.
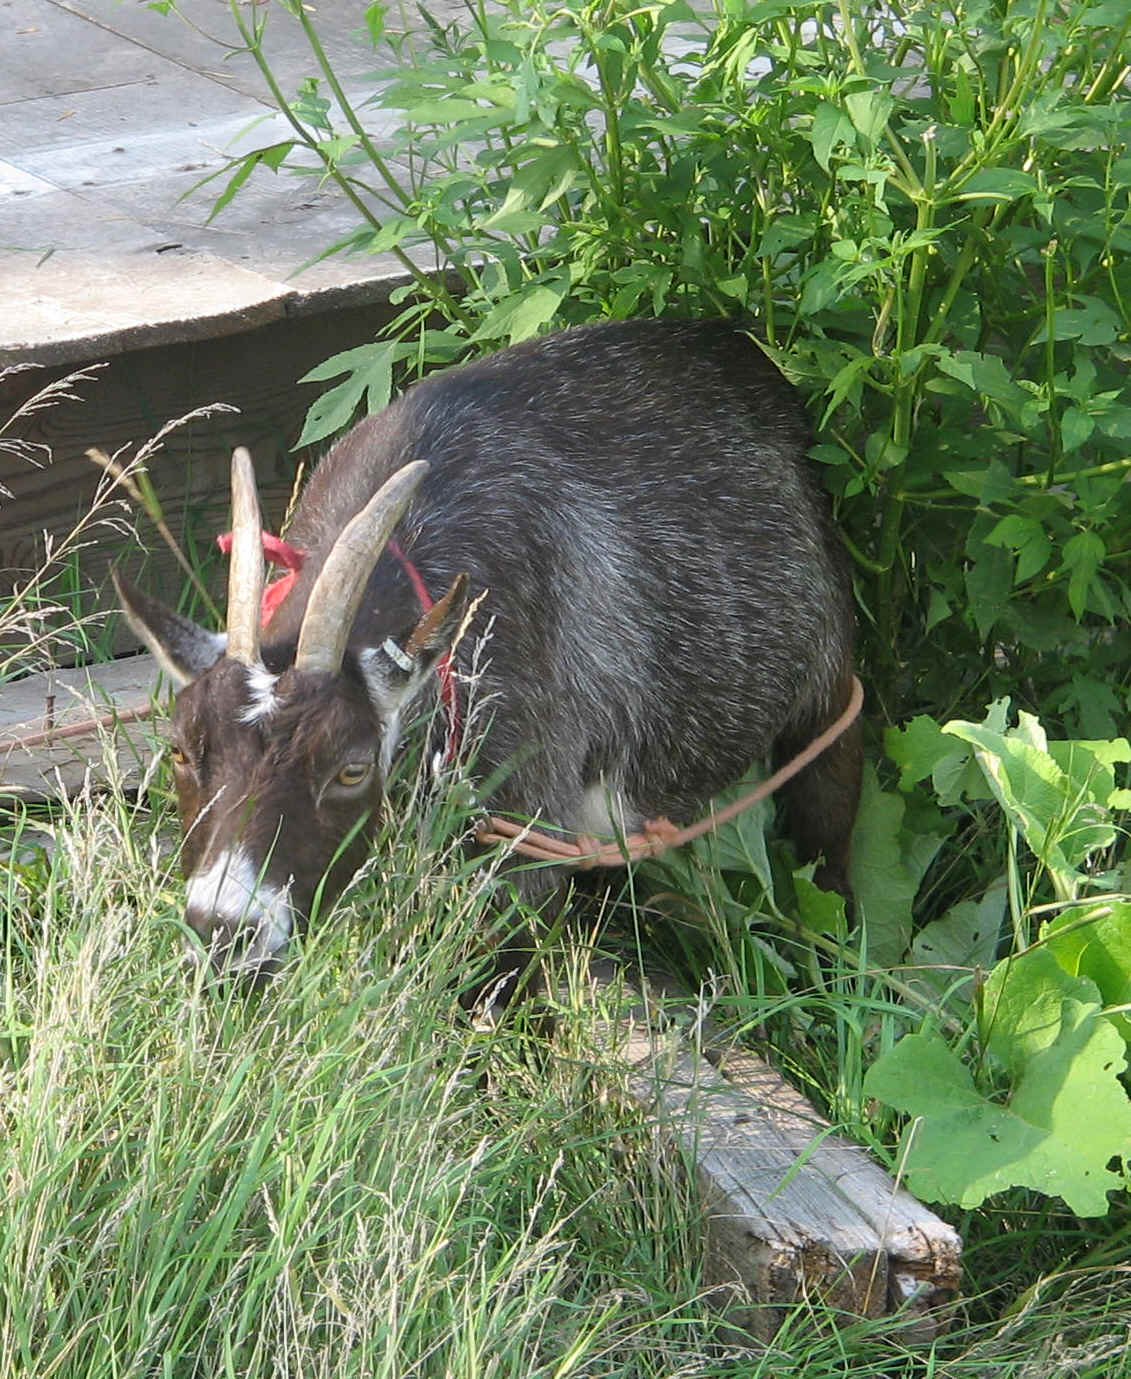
{"type": "Point", "coordinates": [280, 771]}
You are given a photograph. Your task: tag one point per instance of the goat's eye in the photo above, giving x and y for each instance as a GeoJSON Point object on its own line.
{"type": "Point", "coordinates": [354, 773]}
{"type": "Point", "coordinates": [177, 757]}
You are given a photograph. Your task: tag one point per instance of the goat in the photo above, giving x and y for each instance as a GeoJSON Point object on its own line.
{"type": "Point", "coordinates": [667, 595]}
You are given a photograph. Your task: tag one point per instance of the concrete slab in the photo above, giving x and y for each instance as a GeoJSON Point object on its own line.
{"type": "Point", "coordinates": [109, 113]}
{"type": "Point", "coordinates": [50, 52]}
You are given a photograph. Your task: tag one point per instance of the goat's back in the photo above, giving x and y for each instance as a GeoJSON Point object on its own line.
{"type": "Point", "coordinates": [668, 599]}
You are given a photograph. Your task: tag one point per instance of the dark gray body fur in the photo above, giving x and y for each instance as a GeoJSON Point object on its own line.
{"type": "Point", "coordinates": [669, 600]}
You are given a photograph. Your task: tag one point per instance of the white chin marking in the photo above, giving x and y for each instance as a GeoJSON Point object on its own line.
{"type": "Point", "coordinates": [261, 687]}
{"type": "Point", "coordinates": [230, 890]}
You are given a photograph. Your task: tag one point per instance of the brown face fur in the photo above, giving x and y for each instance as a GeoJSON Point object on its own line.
{"type": "Point", "coordinates": [266, 804]}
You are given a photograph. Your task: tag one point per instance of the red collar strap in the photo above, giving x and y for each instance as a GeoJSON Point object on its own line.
{"type": "Point", "coordinates": [280, 552]}
{"type": "Point", "coordinates": [444, 672]}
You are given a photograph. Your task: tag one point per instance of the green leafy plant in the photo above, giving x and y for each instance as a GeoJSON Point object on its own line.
{"type": "Point", "coordinates": [1044, 1106]}
{"type": "Point", "coordinates": [926, 213]}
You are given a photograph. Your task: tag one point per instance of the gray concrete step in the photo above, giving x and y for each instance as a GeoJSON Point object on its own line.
{"type": "Point", "coordinates": [109, 114]}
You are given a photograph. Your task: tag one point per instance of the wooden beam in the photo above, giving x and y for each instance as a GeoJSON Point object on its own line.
{"type": "Point", "coordinates": [792, 1210]}
{"type": "Point", "coordinates": [63, 729]}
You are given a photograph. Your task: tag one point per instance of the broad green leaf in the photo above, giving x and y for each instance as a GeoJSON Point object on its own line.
{"type": "Point", "coordinates": [447, 110]}
{"type": "Point", "coordinates": [957, 776]}
{"type": "Point", "coordinates": [917, 749]}
{"type": "Point", "coordinates": [822, 912]}
{"type": "Point", "coordinates": [739, 845]}
{"type": "Point", "coordinates": [1075, 428]}
{"type": "Point", "coordinates": [948, 952]}
{"type": "Point", "coordinates": [1066, 1118]}
{"type": "Point", "coordinates": [1023, 1007]}
{"type": "Point", "coordinates": [1110, 13]}
{"type": "Point", "coordinates": [997, 184]}
{"type": "Point", "coordinates": [992, 483]}
{"type": "Point", "coordinates": [888, 863]}
{"type": "Point", "coordinates": [519, 317]}
{"type": "Point", "coordinates": [831, 128]}
{"type": "Point", "coordinates": [332, 411]}
{"type": "Point", "coordinates": [1025, 536]}
{"type": "Point", "coordinates": [371, 378]}
{"type": "Point", "coordinates": [374, 16]}
{"type": "Point", "coordinates": [736, 287]}
{"type": "Point", "coordinates": [847, 383]}
{"type": "Point", "coordinates": [985, 374]}
{"type": "Point", "coordinates": [962, 102]}
{"type": "Point", "coordinates": [1083, 555]}
{"type": "Point", "coordinates": [1097, 705]}
{"type": "Point", "coordinates": [938, 609]}
{"type": "Point", "coordinates": [1094, 941]}
{"type": "Point", "coordinates": [271, 157]}
{"type": "Point", "coordinates": [1059, 818]}
{"type": "Point", "coordinates": [989, 587]}
{"type": "Point", "coordinates": [1094, 324]}
{"type": "Point", "coordinates": [785, 231]}
{"type": "Point", "coordinates": [869, 111]}
{"type": "Point", "coordinates": [348, 361]}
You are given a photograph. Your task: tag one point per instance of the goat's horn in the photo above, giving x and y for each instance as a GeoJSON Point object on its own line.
{"type": "Point", "coordinates": [245, 567]}
{"type": "Point", "coordinates": [337, 591]}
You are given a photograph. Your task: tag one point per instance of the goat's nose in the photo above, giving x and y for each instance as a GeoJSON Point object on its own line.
{"type": "Point", "coordinates": [243, 921]}
{"type": "Point", "coordinates": [224, 942]}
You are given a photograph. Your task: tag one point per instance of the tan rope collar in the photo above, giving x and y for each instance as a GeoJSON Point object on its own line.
{"type": "Point", "coordinates": [657, 835]}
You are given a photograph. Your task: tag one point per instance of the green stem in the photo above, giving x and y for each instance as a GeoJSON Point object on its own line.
{"type": "Point", "coordinates": [1050, 364]}
{"type": "Point", "coordinates": [1006, 113]}
{"type": "Point", "coordinates": [865, 562]}
{"type": "Point", "coordinates": [1105, 82]}
{"type": "Point", "coordinates": [1091, 472]}
{"type": "Point", "coordinates": [962, 266]}
{"type": "Point", "coordinates": [433, 288]}
{"type": "Point", "coordinates": [903, 414]}
{"type": "Point", "coordinates": [614, 152]}
{"type": "Point", "coordinates": [355, 124]}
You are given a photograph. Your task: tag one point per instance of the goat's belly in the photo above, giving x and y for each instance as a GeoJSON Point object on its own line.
{"type": "Point", "coordinates": [605, 812]}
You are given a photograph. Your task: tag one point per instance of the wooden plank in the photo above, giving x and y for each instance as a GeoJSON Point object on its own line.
{"type": "Point", "coordinates": [62, 730]}
{"type": "Point", "coordinates": [792, 1210]}
{"type": "Point", "coordinates": [48, 52]}
{"type": "Point", "coordinates": [125, 404]}
{"type": "Point", "coordinates": [209, 44]}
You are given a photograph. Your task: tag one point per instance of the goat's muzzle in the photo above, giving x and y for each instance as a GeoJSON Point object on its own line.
{"type": "Point", "coordinates": [243, 922]}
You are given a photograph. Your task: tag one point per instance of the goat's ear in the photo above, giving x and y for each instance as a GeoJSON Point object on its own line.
{"type": "Point", "coordinates": [182, 649]}
{"type": "Point", "coordinates": [394, 672]}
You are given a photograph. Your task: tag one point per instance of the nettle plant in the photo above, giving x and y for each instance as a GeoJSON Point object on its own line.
{"type": "Point", "coordinates": [925, 211]}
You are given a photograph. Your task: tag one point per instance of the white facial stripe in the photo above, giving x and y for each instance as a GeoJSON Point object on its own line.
{"type": "Point", "coordinates": [230, 890]}
{"type": "Point", "coordinates": [261, 686]}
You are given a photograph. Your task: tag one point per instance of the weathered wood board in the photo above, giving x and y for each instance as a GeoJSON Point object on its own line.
{"type": "Point", "coordinates": [792, 1210]}
{"type": "Point", "coordinates": [125, 404]}
{"type": "Point", "coordinates": [62, 730]}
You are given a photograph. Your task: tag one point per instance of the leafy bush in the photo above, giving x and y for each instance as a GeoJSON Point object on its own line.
{"type": "Point", "coordinates": [926, 212]}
